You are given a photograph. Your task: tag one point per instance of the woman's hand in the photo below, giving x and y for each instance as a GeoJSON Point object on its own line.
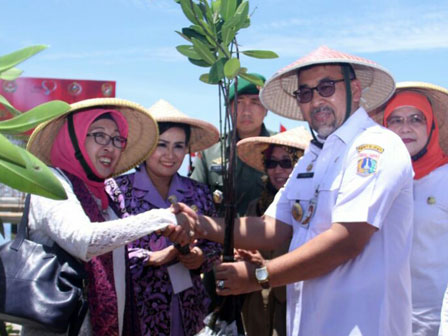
{"type": "Point", "coordinates": [159, 258]}
{"type": "Point", "coordinates": [192, 260]}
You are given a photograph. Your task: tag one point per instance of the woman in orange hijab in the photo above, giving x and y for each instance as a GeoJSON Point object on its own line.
{"type": "Point", "coordinates": [418, 113]}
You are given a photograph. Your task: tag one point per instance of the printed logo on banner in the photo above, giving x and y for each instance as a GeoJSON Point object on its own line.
{"type": "Point", "coordinates": [49, 86]}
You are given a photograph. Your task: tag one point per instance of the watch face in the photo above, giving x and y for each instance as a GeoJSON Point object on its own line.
{"type": "Point", "coordinates": [261, 274]}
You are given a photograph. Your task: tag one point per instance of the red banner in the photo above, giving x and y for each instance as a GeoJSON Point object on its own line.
{"type": "Point", "coordinates": [25, 93]}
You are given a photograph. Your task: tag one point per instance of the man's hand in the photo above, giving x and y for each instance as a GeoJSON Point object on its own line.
{"type": "Point", "coordinates": [235, 278]}
{"type": "Point", "coordinates": [252, 256]}
{"type": "Point", "coordinates": [192, 260]}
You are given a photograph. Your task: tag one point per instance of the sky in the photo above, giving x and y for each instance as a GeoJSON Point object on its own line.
{"type": "Point", "coordinates": [133, 43]}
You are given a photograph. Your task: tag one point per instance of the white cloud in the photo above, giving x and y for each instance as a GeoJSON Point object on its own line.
{"type": "Point", "coordinates": [407, 28]}
{"type": "Point", "coordinates": [114, 56]}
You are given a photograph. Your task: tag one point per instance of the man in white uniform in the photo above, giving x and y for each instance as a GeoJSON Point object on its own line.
{"type": "Point", "coordinates": [347, 205]}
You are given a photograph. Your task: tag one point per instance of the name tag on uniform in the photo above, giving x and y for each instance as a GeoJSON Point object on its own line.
{"type": "Point", "coordinates": [216, 168]}
{"type": "Point", "coordinates": [305, 175]}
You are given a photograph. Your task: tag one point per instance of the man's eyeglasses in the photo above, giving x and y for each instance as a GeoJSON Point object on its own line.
{"type": "Point", "coordinates": [271, 164]}
{"type": "Point", "coordinates": [414, 120]}
{"type": "Point", "coordinates": [325, 88]}
{"type": "Point", "coordinates": [104, 139]}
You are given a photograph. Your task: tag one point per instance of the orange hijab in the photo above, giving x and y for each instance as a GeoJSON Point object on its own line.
{"type": "Point", "coordinates": [434, 156]}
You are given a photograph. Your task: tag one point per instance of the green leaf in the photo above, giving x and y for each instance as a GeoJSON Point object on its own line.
{"type": "Point", "coordinates": [260, 53]}
{"type": "Point", "coordinates": [11, 109]}
{"type": "Point", "coordinates": [194, 31]}
{"type": "Point", "coordinates": [216, 6]}
{"type": "Point", "coordinates": [10, 60]}
{"type": "Point", "coordinates": [206, 11]}
{"type": "Point", "coordinates": [203, 51]}
{"type": "Point", "coordinates": [183, 36]}
{"type": "Point", "coordinates": [202, 35]}
{"type": "Point", "coordinates": [10, 74]}
{"type": "Point", "coordinates": [227, 9]}
{"type": "Point", "coordinates": [200, 63]}
{"type": "Point", "coordinates": [228, 34]}
{"type": "Point", "coordinates": [204, 78]}
{"type": "Point", "coordinates": [9, 153]}
{"type": "Point", "coordinates": [241, 14]}
{"type": "Point", "coordinates": [188, 51]}
{"type": "Point", "coordinates": [36, 178]}
{"type": "Point", "coordinates": [253, 79]}
{"type": "Point", "coordinates": [232, 68]}
{"type": "Point", "coordinates": [216, 72]}
{"type": "Point", "coordinates": [246, 23]}
{"type": "Point", "coordinates": [34, 117]}
{"type": "Point", "coordinates": [188, 11]}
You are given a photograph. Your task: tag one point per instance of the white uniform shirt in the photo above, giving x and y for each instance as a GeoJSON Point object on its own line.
{"type": "Point", "coordinates": [429, 256]}
{"type": "Point", "coordinates": [362, 174]}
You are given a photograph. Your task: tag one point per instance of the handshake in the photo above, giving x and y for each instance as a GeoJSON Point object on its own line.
{"type": "Point", "coordinates": [188, 226]}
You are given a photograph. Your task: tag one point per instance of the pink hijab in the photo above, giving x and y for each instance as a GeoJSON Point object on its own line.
{"type": "Point", "coordinates": [63, 152]}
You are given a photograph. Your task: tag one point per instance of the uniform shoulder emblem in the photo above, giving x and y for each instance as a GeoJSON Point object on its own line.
{"type": "Point", "coordinates": [368, 155]}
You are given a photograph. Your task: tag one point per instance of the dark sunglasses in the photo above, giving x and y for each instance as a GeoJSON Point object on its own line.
{"type": "Point", "coordinates": [325, 88]}
{"type": "Point", "coordinates": [271, 164]}
{"type": "Point", "coordinates": [104, 139]}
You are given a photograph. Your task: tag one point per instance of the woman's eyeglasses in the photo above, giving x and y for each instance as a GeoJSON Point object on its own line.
{"type": "Point", "coordinates": [104, 139]}
{"type": "Point", "coordinates": [271, 164]}
{"type": "Point", "coordinates": [325, 88]}
{"type": "Point", "coordinates": [414, 120]}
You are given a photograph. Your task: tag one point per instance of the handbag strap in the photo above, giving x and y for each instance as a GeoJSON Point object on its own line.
{"type": "Point", "coordinates": [22, 230]}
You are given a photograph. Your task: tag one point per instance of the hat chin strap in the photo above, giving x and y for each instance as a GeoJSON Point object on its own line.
{"type": "Point", "coordinates": [423, 151]}
{"type": "Point", "coordinates": [78, 155]}
{"type": "Point", "coordinates": [348, 91]}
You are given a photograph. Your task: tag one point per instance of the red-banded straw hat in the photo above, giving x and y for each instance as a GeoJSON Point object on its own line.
{"type": "Point", "coordinates": [203, 134]}
{"type": "Point", "coordinates": [250, 150]}
{"type": "Point", "coordinates": [277, 94]}
{"type": "Point", "coordinates": [142, 134]}
{"type": "Point", "coordinates": [437, 96]}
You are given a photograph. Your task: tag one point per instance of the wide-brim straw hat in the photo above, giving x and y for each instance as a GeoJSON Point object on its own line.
{"type": "Point", "coordinates": [203, 134]}
{"type": "Point", "coordinates": [250, 150]}
{"type": "Point", "coordinates": [277, 94]}
{"type": "Point", "coordinates": [143, 132]}
{"type": "Point", "coordinates": [438, 97]}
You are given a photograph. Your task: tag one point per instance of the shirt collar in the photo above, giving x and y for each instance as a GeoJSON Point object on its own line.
{"type": "Point", "coordinates": [144, 183]}
{"type": "Point", "coordinates": [352, 126]}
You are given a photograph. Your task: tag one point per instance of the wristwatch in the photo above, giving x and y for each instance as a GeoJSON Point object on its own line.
{"type": "Point", "coordinates": [262, 276]}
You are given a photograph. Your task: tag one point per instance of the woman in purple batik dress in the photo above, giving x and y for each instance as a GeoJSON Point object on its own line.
{"type": "Point", "coordinates": [170, 296]}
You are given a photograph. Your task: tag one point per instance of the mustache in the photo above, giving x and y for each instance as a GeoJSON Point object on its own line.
{"type": "Point", "coordinates": [325, 108]}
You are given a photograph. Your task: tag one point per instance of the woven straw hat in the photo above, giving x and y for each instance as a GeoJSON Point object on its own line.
{"type": "Point", "coordinates": [277, 94]}
{"type": "Point", "coordinates": [250, 150]}
{"type": "Point", "coordinates": [437, 95]}
{"type": "Point", "coordinates": [142, 136]}
{"type": "Point", "coordinates": [203, 134]}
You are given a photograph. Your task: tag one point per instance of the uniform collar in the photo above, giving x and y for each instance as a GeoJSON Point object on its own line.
{"type": "Point", "coordinates": [352, 126]}
{"type": "Point", "coordinates": [144, 183]}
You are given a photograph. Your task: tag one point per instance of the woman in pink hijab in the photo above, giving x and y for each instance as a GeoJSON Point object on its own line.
{"type": "Point", "coordinates": [95, 140]}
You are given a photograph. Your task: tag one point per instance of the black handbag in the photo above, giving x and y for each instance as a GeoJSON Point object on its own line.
{"type": "Point", "coordinates": [41, 286]}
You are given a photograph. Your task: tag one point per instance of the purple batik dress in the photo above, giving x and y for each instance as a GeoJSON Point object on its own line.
{"type": "Point", "coordinates": [162, 312]}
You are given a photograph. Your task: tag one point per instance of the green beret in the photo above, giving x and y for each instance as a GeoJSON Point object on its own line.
{"type": "Point", "coordinates": [245, 87]}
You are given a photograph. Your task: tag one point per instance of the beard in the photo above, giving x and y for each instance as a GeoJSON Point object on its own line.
{"type": "Point", "coordinates": [323, 121]}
